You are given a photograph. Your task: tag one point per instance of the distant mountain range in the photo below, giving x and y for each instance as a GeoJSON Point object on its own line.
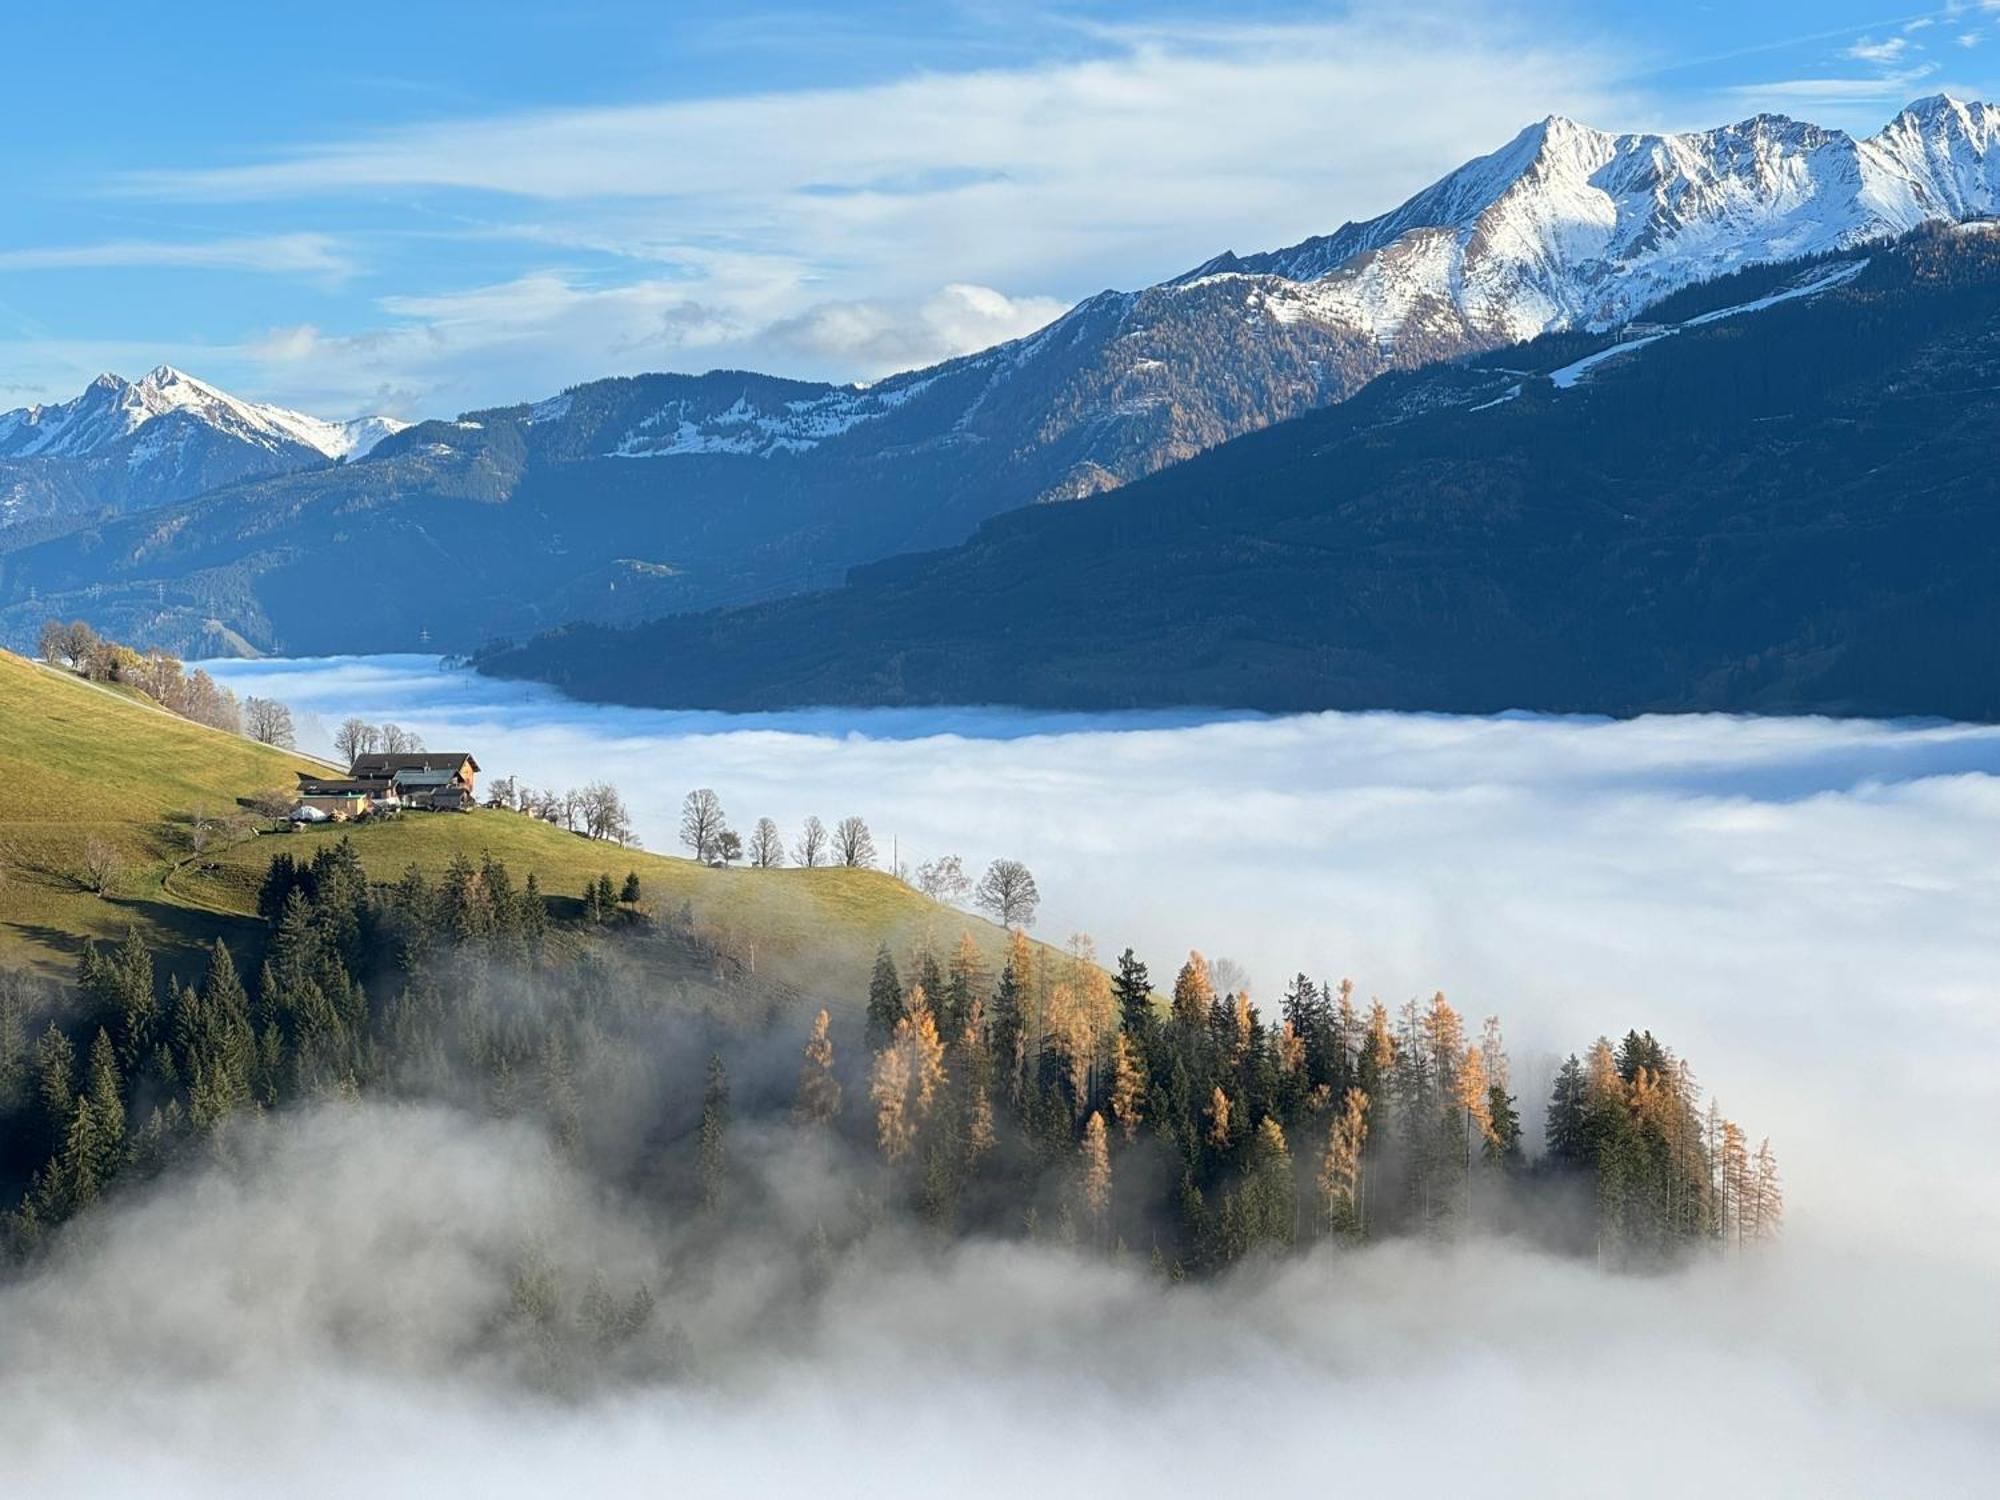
{"type": "Point", "coordinates": [622, 500]}
{"type": "Point", "coordinates": [126, 446]}
{"type": "Point", "coordinates": [1776, 494]}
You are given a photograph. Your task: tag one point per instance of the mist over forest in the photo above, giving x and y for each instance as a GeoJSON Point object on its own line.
{"type": "Point", "coordinates": [1801, 909]}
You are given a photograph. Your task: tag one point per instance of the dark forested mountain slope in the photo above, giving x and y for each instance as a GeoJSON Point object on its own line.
{"type": "Point", "coordinates": [1794, 507]}
{"type": "Point", "coordinates": [625, 499]}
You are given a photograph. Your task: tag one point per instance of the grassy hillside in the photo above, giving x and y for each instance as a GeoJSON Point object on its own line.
{"type": "Point", "coordinates": [79, 765]}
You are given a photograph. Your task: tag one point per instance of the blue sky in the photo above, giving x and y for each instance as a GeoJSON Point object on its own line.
{"type": "Point", "coordinates": [427, 208]}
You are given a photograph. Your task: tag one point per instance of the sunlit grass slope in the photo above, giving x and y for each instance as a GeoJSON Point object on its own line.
{"type": "Point", "coordinates": [79, 764]}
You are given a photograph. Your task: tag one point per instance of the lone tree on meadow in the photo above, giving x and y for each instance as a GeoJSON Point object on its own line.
{"type": "Point", "coordinates": [268, 722]}
{"type": "Point", "coordinates": [853, 846]}
{"type": "Point", "coordinates": [767, 850]}
{"type": "Point", "coordinates": [810, 850]}
{"type": "Point", "coordinates": [1007, 892]}
{"type": "Point", "coordinates": [702, 822]}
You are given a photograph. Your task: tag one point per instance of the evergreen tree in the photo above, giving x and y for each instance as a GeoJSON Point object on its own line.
{"type": "Point", "coordinates": [629, 894]}
{"type": "Point", "coordinates": [559, 1096]}
{"type": "Point", "coordinates": [55, 1086]}
{"type": "Point", "coordinates": [1503, 1140]}
{"type": "Point", "coordinates": [960, 997]}
{"type": "Point", "coordinates": [1567, 1141]}
{"type": "Point", "coordinates": [885, 999]}
{"type": "Point", "coordinates": [713, 1163]}
{"type": "Point", "coordinates": [105, 1096]}
{"type": "Point", "coordinates": [1133, 989]}
{"type": "Point", "coordinates": [534, 916]}
{"type": "Point", "coordinates": [1007, 1028]}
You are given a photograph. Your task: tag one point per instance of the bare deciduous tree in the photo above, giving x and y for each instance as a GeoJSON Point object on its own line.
{"type": "Point", "coordinates": [810, 850]}
{"type": "Point", "coordinates": [356, 738]}
{"type": "Point", "coordinates": [1007, 891]}
{"type": "Point", "coordinates": [101, 866]}
{"type": "Point", "coordinates": [268, 722]}
{"type": "Point", "coordinates": [274, 802]}
{"type": "Point", "coordinates": [604, 815]}
{"type": "Point", "coordinates": [943, 879]}
{"type": "Point", "coordinates": [767, 850]}
{"type": "Point", "coordinates": [70, 645]}
{"type": "Point", "coordinates": [702, 822]}
{"type": "Point", "coordinates": [396, 740]}
{"type": "Point", "coordinates": [853, 845]}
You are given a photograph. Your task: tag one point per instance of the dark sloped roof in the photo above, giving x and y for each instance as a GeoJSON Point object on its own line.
{"type": "Point", "coordinates": [423, 760]}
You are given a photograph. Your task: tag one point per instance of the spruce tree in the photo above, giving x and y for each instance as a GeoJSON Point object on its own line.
{"type": "Point", "coordinates": [55, 1086]}
{"type": "Point", "coordinates": [1133, 989]}
{"type": "Point", "coordinates": [713, 1163]}
{"type": "Point", "coordinates": [107, 1106]}
{"type": "Point", "coordinates": [885, 999]}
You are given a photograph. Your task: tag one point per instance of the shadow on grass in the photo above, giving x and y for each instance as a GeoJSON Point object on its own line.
{"type": "Point", "coordinates": [188, 933]}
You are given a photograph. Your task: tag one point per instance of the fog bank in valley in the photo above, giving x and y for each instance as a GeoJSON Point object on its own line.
{"type": "Point", "coordinates": [314, 1317]}
{"type": "Point", "coordinates": [1809, 910]}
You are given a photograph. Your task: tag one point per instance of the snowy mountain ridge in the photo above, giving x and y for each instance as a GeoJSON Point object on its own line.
{"type": "Point", "coordinates": [126, 445]}
{"type": "Point", "coordinates": [112, 409]}
{"type": "Point", "coordinates": [1563, 227]}
{"type": "Point", "coordinates": [1566, 226]}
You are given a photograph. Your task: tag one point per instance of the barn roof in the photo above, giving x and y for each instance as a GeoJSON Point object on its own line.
{"type": "Point", "coordinates": [448, 761]}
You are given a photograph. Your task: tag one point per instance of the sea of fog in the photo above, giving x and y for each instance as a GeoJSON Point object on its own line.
{"type": "Point", "coordinates": [1809, 909]}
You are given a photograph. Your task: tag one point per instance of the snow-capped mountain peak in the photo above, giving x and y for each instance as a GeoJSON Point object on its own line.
{"type": "Point", "coordinates": [112, 410]}
{"type": "Point", "coordinates": [1570, 226]}
{"type": "Point", "coordinates": [126, 445]}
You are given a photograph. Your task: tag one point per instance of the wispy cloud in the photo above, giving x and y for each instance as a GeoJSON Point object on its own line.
{"type": "Point", "coordinates": [1894, 86]}
{"type": "Point", "coordinates": [277, 254]}
{"type": "Point", "coordinates": [822, 232]}
{"type": "Point", "coordinates": [1867, 49]}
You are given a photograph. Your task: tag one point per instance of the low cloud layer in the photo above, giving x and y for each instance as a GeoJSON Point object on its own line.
{"type": "Point", "coordinates": [1802, 907]}
{"type": "Point", "coordinates": [303, 1317]}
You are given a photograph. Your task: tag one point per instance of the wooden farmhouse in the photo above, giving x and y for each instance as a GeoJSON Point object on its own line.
{"type": "Point", "coordinates": [433, 781]}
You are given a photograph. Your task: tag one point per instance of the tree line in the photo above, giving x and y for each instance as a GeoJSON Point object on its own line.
{"type": "Point", "coordinates": [163, 678]}
{"type": "Point", "coordinates": [597, 810]}
{"type": "Point", "coordinates": [1006, 891]}
{"type": "Point", "coordinates": [1025, 1092]}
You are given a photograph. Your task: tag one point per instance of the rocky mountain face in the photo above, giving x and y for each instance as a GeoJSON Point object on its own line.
{"type": "Point", "coordinates": [131, 445]}
{"type": "Point", "coordinates": [623, 499]}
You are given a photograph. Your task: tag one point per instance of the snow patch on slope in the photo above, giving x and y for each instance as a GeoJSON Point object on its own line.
{"type": "Point", "coordinates": [1567, 377]}
{"type": "Point", "coordinates": [748, 429]}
